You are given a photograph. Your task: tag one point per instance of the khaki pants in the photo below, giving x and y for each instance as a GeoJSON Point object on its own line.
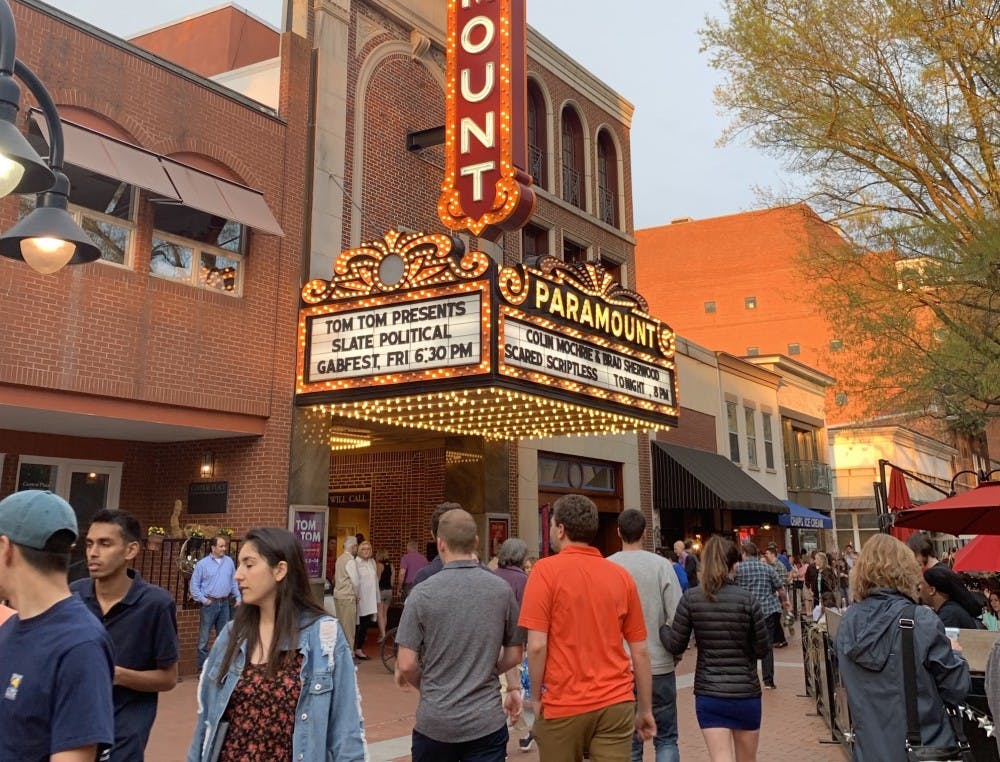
{"type": "Point", "coordinates": [606, 733]}
{"type": "Point", "coordinates": [347, 615]}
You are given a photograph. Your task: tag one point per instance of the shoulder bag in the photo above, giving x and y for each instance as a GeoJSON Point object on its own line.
{"type": "Point", "coordinates": [915, 751]}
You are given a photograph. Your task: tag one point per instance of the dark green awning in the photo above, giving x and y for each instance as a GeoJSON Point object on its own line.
{"type": "Point", "coordinates": [689, 479]}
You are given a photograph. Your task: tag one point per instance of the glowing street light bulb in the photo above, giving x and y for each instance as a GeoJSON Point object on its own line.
{"type": "Point", "coordinates": [11, 173]}
{"type": "Point", "coordinates": [47, 255]}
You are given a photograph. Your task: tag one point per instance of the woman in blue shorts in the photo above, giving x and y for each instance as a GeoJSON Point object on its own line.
{"type": "Point", "coordinates": [731, 633]}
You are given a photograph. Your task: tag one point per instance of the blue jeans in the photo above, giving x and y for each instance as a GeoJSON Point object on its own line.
{"type": "Point", "coordinates": [214, 615]}
{"type": "Point", "coordinates": [489, 748]}
{"type": "Point", "coordinates": [665, 714]}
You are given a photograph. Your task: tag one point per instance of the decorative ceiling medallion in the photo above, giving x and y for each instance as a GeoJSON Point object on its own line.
{"type": "Point", "coordinates": [399, 262]}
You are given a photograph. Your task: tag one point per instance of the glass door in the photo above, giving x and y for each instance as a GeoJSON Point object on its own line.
{"type": "Point", "coordinates": [88, 486]}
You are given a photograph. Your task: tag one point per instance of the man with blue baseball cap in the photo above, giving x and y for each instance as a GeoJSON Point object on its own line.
{"type": "Point", "coordinates": [56, 663]}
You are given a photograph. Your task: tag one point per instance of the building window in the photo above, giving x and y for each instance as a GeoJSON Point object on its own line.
{"type": "Point", "coordinates": [572, 158]}
{"type": "Point", "coordinates": [840, 398]}
{"type": "Point", "coordinates": [534, 241]}
{"type": "Point", "coordinates": [753, 351]}
{"type": "Point", "coordinates": [750, 302]}
{"type": "Point", "coordinates": [794, 349]}
{"type": "Point", "coordinates": [576, 474]}
{"type": "Point", "coordinates": [538, 137]}
{"type": "Point", "coordinates": [709, 307]}
{"type": "Point", "coordinates": [768, 441]}
{"type": "Point", "coordinates": [573, 253]}
{"type": "Point", "coordinates": [613, 268]}
{"type": "Point", "coordinates": [749, 416]}
{"type": "Point", "coordinates": [732, 420]}
{"type": "Point", "coordinates": [105, 209]}
{"type": "Point", "coordinates": [836, 345]}
{"type": "Point", "coordinates": [197, 248]}
{"type": "Point", "coordinates": [607, 179]}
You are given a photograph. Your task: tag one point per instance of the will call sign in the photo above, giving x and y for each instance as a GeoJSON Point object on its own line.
{"type": "Point", "coordinates": [485, 189]}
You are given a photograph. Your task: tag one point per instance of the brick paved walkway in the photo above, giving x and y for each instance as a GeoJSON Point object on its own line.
{"type": "Point", "coordinates": [788, 732]}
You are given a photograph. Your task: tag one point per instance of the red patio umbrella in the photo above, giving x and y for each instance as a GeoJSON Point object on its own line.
{"type": "Point", "coordinates": [980, 555]}
{"type": "Point", "coordinates": [974, 512]}
{"type": "Point", "coordinates": [898, 500]}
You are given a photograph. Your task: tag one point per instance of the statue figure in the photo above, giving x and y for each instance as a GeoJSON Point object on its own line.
{"type": "Point", "coordinates": [175, 520]}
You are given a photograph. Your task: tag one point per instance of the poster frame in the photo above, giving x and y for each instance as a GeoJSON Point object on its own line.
{"type": "Point", "coordinates": [293, 512]}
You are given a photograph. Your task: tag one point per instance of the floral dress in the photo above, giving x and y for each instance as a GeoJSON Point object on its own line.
{"type": "Point", "coordinates": [261, 713]}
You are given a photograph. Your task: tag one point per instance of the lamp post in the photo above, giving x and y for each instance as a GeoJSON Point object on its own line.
{"type": "Point", "coordinates": [48, 238]}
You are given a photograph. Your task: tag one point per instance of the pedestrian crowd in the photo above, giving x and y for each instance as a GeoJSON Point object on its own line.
{"type": "Point", "coordinates": [574, 651]}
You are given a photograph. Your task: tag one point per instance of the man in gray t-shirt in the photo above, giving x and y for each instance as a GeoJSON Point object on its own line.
{"type": "Point", "coordinates": [458, 632]}
{"type": "Point", "coordinates": [659, 594]}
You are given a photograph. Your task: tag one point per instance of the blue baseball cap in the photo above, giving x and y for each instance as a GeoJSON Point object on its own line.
{"type": "Point", "coordinates": [32, 516]}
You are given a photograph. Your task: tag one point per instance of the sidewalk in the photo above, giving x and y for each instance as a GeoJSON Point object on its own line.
{"type": "Point", "coordinates": [788, 732]}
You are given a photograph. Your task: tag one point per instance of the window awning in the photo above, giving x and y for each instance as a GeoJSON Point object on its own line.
{"type": "Point", "coordinates": [112, 158]}
{"type": "Point", "coordinates": [208, 193]}
{"type": "Point", "coordinates": [689, 479]}
{"type": "Point", "coordinates": [169, 180]}
{"type": "Point", "coordinates": [800, 517]}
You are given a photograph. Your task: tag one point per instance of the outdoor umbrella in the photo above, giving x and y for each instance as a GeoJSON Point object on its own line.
{"type": "Point", "coordinates": [974, 512]}
{"type": "Point", "coordinates": [980, 555]}
{"type": "Point", "coordinates": [898, 500]}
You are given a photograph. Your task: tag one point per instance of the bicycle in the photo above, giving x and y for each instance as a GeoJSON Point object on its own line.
{"type": "Point", "coordinates": [388, 650]}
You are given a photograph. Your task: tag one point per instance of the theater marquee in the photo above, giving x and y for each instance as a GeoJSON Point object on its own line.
{"type": "Point", "coordinates": [413, 331]}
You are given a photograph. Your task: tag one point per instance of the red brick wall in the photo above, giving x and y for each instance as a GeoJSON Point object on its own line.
{"type": "Point", "coordinates": [121, 334]}
{"type": "Point", "coordinates": [406, 485]}
{"type": "Point", "coordinates": [697, 430]}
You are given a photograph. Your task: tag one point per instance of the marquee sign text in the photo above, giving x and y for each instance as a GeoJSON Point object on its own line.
{"type": "Point", "coordinates": [536, 349]}
{"type": "Point", "coordinates": [398, 338]}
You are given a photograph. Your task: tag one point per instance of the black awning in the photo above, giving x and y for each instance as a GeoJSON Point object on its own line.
{"type": "Point", "coordinates": [688, 479]}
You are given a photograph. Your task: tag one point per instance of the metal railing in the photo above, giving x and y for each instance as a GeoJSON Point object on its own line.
{"type": "Point", "coordinates": [571, 187]}
{"type": "Point", "coordinates": [163, 566]}
{"type": "Point", "coordinates": [809, 476]}
{"type": "Point", "coordinates": [606, 198]}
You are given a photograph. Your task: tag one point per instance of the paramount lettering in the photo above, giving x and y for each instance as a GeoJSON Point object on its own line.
{"type": "Point", "coordinates": [595, 314]}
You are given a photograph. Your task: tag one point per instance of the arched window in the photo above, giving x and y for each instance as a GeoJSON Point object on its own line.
{"type": "Point", "coordinates": [607, 179]}
{"type": "Point", "coordinates": [538, 138]}
{"type": "Point", "coordinates": [572, 158]}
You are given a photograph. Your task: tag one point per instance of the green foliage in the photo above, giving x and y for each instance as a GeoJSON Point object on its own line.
{"type": "Point", "coordinates": [890, 110]}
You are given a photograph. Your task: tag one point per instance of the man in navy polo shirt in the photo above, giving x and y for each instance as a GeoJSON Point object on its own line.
{"type": "Point", "coordinates": [55, 658]}
{"type": "Point", "coordinates": [142, 621]}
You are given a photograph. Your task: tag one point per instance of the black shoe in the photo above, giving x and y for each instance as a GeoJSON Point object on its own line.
{"type": "Point", "coordinates": [772, 686]}
{"type": "Point", "coordinates": [525, 744]}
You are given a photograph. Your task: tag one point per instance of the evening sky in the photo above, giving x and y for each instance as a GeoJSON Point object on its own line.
{"type": "Point", "coordinates": [646, 50]}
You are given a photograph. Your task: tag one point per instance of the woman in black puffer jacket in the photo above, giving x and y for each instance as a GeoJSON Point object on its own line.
{"type": "Point", "coordinates": [732, 635]}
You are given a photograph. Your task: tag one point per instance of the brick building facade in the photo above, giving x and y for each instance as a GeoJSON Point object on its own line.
{"type": "Point", "coordinates": [381, 73]}
{"type": "Point", "coordinates": [119, 378]}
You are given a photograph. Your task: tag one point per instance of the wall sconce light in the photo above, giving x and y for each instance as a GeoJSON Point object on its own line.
{"type": "Point", "coordinates": [207, 465]}
{"type": "Point", "coordinates": [766, 527]}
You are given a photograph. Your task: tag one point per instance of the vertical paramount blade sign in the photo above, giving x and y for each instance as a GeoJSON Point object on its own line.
{"type": "Point", "coordinates": [486, 189]}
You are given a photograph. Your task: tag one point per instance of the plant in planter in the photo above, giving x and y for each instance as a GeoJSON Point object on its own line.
{"type": "Point", "coordinates": [195, 538]}
{"type": "Point", "coordinates": [154, 537]}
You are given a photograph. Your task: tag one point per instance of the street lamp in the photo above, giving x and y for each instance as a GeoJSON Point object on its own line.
{"type": "Point", "coordinates": [48, 238]}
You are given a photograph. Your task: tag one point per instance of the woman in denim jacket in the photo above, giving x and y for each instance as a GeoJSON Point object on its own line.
{"type": "Point", "coordinates": [280, 679]}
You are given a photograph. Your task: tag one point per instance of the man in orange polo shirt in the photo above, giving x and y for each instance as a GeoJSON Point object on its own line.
{"type": "Point", "coordinates": [578, 608]}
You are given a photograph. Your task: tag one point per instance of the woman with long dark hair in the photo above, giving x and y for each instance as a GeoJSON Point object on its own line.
{"type": "Point", "coordinates": [279, 683]}
{"type": "Point", "coordinates": [732, 635]}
